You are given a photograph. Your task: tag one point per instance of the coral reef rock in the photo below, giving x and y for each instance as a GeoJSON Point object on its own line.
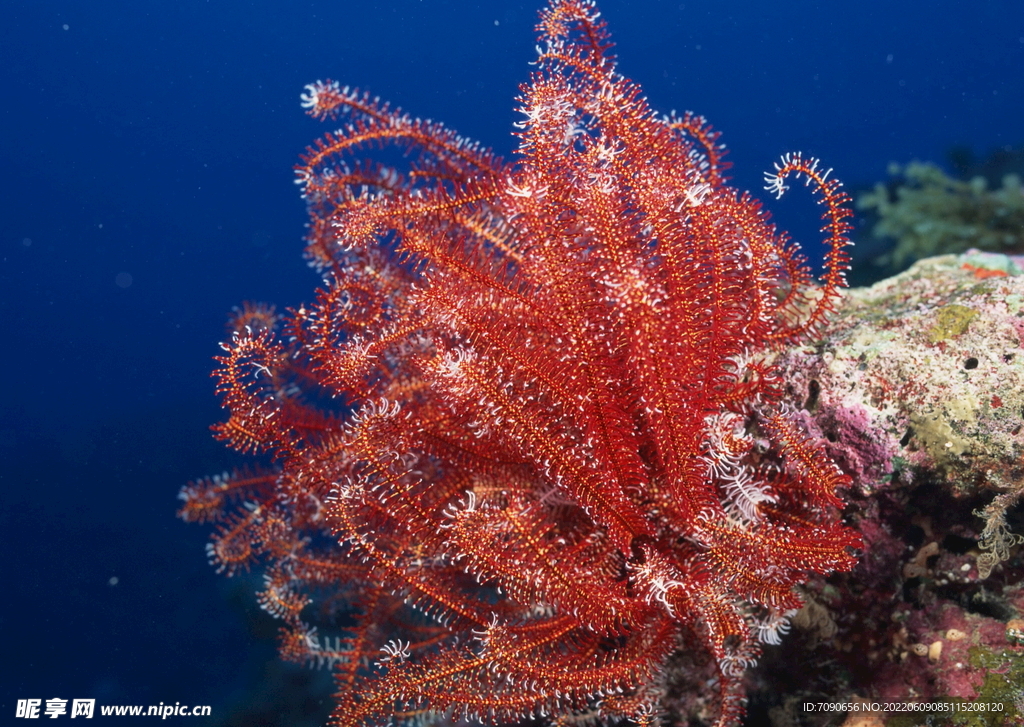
{"type": "Point", "coordinates": [917, 387]}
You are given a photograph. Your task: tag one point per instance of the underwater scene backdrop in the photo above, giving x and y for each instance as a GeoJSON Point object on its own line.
{"type": "Point", "coordinates": [147, 153]}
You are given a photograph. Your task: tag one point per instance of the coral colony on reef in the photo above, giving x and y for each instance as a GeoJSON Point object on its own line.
{"type": "Point", "coordinates": [930, 213]}
{"type": "Point", "coordinates": [527, 441]}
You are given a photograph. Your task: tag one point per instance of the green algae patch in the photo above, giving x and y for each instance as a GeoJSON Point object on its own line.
{"type": "Point", "coordinates": [952, 321]}
{"type": "Point", "coordinates": [1003, 687]}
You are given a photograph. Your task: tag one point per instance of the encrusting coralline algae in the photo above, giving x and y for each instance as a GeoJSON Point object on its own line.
{"type": "Point", "coordinates": [917, 386]}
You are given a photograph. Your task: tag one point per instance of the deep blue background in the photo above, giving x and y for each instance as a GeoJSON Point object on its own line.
{"type": "Point", "coordinates": [157, 139]}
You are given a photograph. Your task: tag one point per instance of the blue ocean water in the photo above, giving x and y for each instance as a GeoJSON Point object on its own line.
{"type": "Point", "coordinates": [145, 157]}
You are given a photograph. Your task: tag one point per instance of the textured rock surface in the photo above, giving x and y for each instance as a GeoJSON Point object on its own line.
{"type": "Point", "coordinates": [918, 387]}
{"type": "Point", "coordinates": [924, 371]}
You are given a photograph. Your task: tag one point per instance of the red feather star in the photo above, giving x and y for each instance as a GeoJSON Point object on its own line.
{"type": "Point", "coordinates": [560, 454]}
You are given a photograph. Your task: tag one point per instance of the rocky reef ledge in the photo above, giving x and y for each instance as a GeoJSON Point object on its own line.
{"type": "Point", "coordinates": [917, 387]}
